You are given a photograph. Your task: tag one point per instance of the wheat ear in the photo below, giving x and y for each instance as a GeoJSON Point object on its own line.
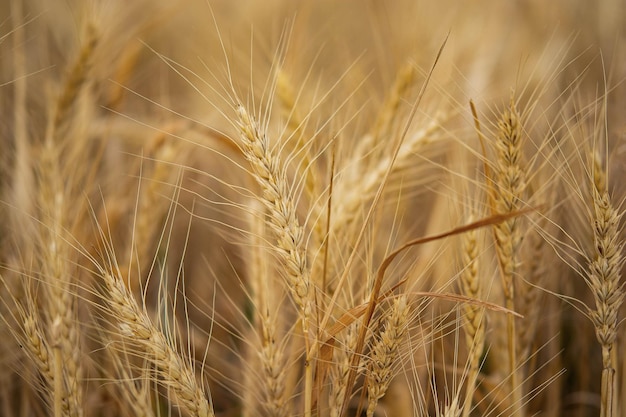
{"type": "Point", "coordinates": [176, 373]}
{"type": "Point", "coordinates": [388, 114]}
{"type": "Point", "coordinates": [385, 353]}
{"type": "Point", "coordinates": [452, 409]}
{"type": "Point", "coordinates": [604, 279]}
{"type": "Point", "coordinates": [510, 183]}
{"type": "Point", "coordinates": [529, 294]}
{"type": "Point", "coordinates": [22, 177]}
{"type": "Point", "coordinates": [473, 319]}
{"type": "Point", "coordinates": [270, 359]}
{"type": "Point", "coordinates": [360, 185]}
{"type": "Point", "coordinates": [42, 355]}
{"type": "Point", "coordinates": [405, 79]}
{"type": "Point", "coordinates": [133, 390]}
{"type": "Point", "coordinates": [272, 178]}
{"type": "Point", "coordinates": [55, 197]}
{"type": "Point", "coordinates": [76, 79]}
{"type": "Point", "coordinates": [272, 363]}
{"type": "Point", "coordinates": [340, 369]}
{"type": "Point", "coordinates": [150, 208]}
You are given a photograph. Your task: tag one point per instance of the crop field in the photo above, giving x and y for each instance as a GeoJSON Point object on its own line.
{"type": "Point", "coordinates": [330, 208]}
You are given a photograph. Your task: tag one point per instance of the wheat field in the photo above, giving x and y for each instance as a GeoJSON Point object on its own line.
{"type": "Point", "coordinates": [312, 208]}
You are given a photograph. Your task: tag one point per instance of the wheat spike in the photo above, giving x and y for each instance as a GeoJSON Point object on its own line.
{"type": "Point", "coordinates": [510, 183]}
{"type": "Point", "coordinates": [176, 373]}
{"type": "Point", "coordinates": [385, 352]}
{"type": "Point", "coordinates": [604, 279]}
{"type": "Point", "coordinates": [283, 220]}
{"type": "Point", "coordinates": [473, 319]}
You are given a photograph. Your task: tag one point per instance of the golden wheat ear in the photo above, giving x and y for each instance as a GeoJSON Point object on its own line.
{"type": "Point", "coordinates": [474, 315]}
{"type": "Point", "coordinates": [276, 196]}
{"type": "Point", "coordinates": [506, 185]}
{"type": "Point", "coordinates": [604, 279]}
{"type": "Point", "coordinates": [176, 373]}
{"type": "Point", "coordinates": [384, 353]}
{"type": "Point", "coordinates": [289, 234]}
{"type": "Point", "coordinates": [264, 389]}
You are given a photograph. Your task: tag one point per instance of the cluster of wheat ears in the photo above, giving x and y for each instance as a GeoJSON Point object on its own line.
{"type": "Point", "coordinates": [312, 208]}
